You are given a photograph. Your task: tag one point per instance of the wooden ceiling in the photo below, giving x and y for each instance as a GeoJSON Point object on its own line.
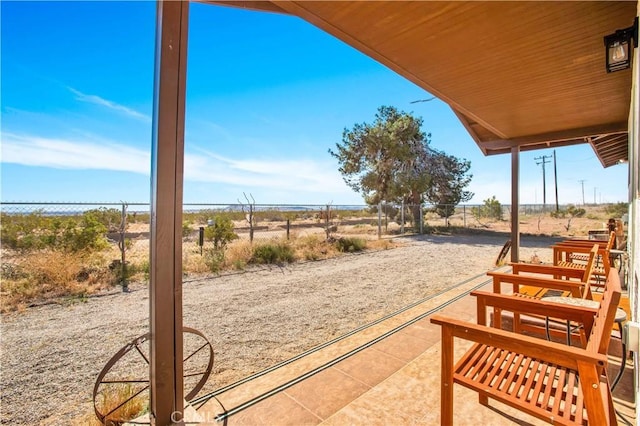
{"type": "Point", "coordinates": [527, 74]}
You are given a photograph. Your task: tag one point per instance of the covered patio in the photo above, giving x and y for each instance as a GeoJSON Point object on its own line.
{"type": "Point", "coordinates": [519, 75]}
{"type": "Point", "coordinates": [387, 372]}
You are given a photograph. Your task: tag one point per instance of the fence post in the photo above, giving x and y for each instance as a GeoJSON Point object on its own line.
{"type": "Point", "coordinates": [402, 218]}
{"type": "Point", "coordinates": [326, 222]}
{"type": "Point", "coordinates": [421, 220]}
{"type": "Point", "coordinates": [201, 238]}
{"type": "Point", "coordinates": [379, 219]}
{"type": "Point", "coordinates": [123, 248]}
{"type": "Point", "coordinates": [464, 216]}
{"type": "Point", "coordinates": [288, 227]}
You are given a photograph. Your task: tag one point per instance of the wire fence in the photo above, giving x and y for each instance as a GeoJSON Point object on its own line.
{"type": "Point", "coordinates": [120, 231]}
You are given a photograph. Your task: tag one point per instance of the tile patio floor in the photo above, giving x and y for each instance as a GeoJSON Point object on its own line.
{"type": "Point", "coordinates": [384, 374]}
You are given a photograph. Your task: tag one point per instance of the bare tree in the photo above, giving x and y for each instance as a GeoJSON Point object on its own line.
{"type": "Point", "coordinates": [249, 211]}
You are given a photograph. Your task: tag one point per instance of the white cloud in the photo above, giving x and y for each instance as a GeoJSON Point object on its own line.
{"type": "Point", "coordinates": [97, 100]}
{"type": "Point", "coordinates": [283, 175]}
{"type": "Point", "coordinates": [64, 154]}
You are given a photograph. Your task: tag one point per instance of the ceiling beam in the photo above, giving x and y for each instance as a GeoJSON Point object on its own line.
{"type": "Point", "coordinates": [554, 137]}
{"type": "Point", "coordinates": [467, 125]}
{"type": "Point", "coordinates": [503, 150]}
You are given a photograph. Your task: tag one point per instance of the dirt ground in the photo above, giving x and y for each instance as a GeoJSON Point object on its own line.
{"type": "Point", "coordinates": [51, 355]}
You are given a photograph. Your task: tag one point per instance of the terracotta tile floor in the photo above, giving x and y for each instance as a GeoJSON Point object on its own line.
{"type": "Point", "coordinates": [385, 374]}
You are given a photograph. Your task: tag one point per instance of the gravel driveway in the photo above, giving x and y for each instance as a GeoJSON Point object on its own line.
{"type": "Point", "coordinates": [52, 354]}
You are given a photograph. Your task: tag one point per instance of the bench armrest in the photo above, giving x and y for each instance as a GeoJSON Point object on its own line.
{"type": "Point", "coordinates": [555, 353]}
{"type": "Point", "coordinates": [575, 287]}
{"type": "Point", "coordinates": [539, 268]}
{"type": "Point", "coordinates": [522, 305]}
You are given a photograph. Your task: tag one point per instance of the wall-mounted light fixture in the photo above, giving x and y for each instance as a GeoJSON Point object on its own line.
{"type": "Point", "coordinates": [619, 47]}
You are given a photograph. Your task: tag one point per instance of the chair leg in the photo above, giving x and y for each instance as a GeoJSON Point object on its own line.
{"type": "Point", "coordinates": [483, 399]}
{"type": "Point", "coordinates": [446, 387]}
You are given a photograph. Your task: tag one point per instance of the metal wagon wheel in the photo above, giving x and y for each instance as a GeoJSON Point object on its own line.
{"type": "Point", "coordinates": [503, 253]}
{"type": "Point", "coordinates": [117, 393]}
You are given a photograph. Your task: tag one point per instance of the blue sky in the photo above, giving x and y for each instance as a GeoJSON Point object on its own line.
{"type": "Point", "coordinates": [267, 96]}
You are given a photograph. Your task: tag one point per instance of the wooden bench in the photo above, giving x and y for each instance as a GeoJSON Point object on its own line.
{"type": "Point", "coordinates": [584, 275]}
{"type": "Point", "coordinates": [557, 383]}
{"type": "Point", "coordinates": [574, 254]}
{"type": "Point", "coordinates": [538, 281]}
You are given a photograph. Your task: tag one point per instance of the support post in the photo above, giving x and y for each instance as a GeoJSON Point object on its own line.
{"type": "Point", "coordinates": [515, 203]}
{"type": "Point", "coordinates": [167, 169]}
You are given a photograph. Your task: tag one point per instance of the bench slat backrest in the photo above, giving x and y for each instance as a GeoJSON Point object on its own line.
{"type": "Point", "coordinates": [603, 323]}
{"type": "Point", "coordinates": [588, 270]}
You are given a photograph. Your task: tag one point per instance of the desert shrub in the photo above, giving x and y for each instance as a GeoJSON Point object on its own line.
{"type": "Point", "coordinates": [559, 214]}
{"type": "Point", "coordinates": [220, 232]}
{"type": "Point", "coordinates": [214, 259]}
{"type": "Point", "coordinates": [617, 210]}
{"type": "Point", "coordinates": [574, 211]}
{"type": "Point", "coordinates": [350, 244]}
{"type": "Point", "coordinates": [274, 252]}
{"type": "Point", "coordinates": [491, 209]}
{"type": "Point", "coordinates": [270, 215]}
{"type": "Point", "coordinates": [111, 218]}
{"type": "Point", "coordinates": [89, 234]}
{"type": "Point", "coordinates": [571, 211]}
{"type": "Point", "coordinates": [314, 247]}
{"type": "Point", "coordinates": [35, 231]}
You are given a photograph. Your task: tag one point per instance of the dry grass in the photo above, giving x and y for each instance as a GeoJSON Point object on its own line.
{"type": "Point", "coordinates": [110, 398]}
{"type": "Point", "coordinates": [44, 275]}
{"type": "Point", "coordinates": [313, 247]}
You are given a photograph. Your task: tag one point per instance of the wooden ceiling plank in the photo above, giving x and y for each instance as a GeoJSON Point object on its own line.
{"type": "Point", "coordinates": [303, 9]}
{"type": "Point", "coordinates": [260, 6]}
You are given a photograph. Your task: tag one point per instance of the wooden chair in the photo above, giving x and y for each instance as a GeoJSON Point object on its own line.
{"type": "Point", "coordinates": [537, 285]}
{"type": "Point", "coordinates": [548, 277]}
{"type": "Point", "coordinates": [574, 253]}
{"type": "Point", "coordinates": [551, 381]}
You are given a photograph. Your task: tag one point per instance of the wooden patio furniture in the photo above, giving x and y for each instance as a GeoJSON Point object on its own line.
{"type": "Point", "coordinates": [554, 382]}
{"type": "Point", "coordinates": [544, 281]}
{"type": "Point", "coordinates": [547, 277]}
{"type": "Point", "coordinates": [574, 253]}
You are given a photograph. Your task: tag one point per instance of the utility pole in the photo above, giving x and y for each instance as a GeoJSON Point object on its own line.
{"type": "Point", "coordinates": [594, 195]}
{"type": "Point", "coordinates": [555, 178]}
{"type": "Point", "coordinates": [582, 183]}
{"type": "Point", "coordinates": [543, 161]}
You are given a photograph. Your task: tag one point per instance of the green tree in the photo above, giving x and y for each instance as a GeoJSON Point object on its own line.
{"type": "Point", "coordinates": [449, 178]}
{"type": "Point", "coordinates": [221, 232]}
{"type": "Point", "coordinates": [387, 160]}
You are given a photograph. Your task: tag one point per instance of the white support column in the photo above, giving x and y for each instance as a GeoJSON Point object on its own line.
{"type": "Point", "coordinates": [167, 164]}
{"type": "Point", "coordinates": [515, 204]}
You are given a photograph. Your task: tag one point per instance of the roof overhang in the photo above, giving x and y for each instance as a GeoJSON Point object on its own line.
{"type": "Point", "coordinates": [525, 74]}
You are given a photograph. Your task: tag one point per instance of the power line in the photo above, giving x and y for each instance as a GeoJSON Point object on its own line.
{"type": "Point", "coordinates": [422, 100]}
{"type": "Point", "coordinates": [555, 178]}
